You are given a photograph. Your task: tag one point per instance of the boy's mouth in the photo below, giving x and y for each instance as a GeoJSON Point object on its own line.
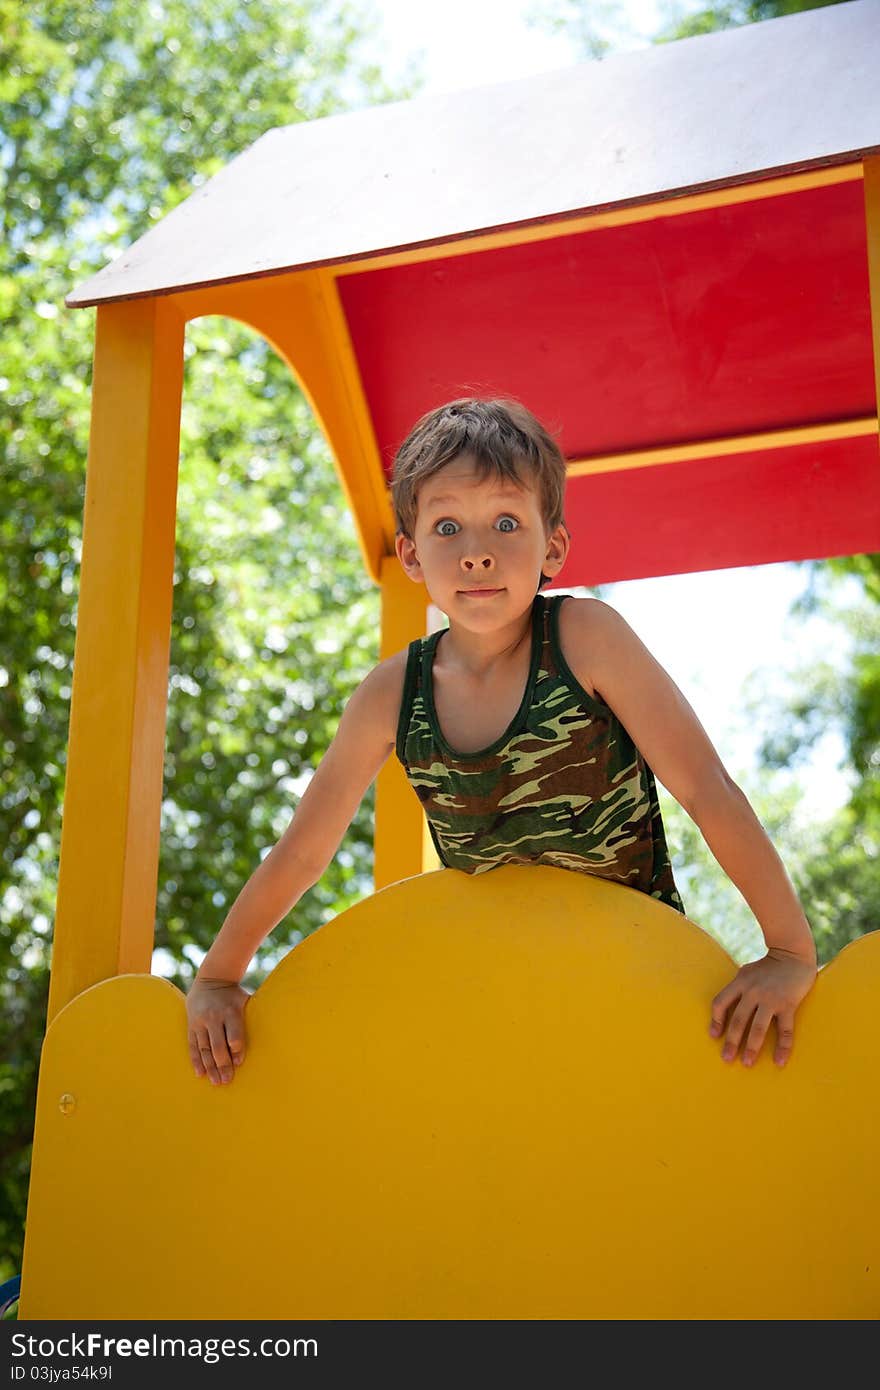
{"type": "Point", "coordinates": [480, 593]}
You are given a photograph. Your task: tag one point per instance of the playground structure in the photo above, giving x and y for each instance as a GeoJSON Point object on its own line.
{"type": "Point", "coordinates": [491, 1097]}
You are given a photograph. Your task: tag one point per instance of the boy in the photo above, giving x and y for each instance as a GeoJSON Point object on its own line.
{"type": "Point", "coordinates": [530, 728]}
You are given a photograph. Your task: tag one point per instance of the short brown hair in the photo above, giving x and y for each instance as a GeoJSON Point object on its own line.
{"type": "Point", "coordinates": [500, 435]}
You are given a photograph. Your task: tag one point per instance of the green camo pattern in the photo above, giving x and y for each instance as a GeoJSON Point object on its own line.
{"type": "Point", "coordinates": [564, 785]}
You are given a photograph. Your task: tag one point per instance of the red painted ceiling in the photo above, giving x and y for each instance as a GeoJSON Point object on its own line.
{"type": "Point", "coordinates": [744, 318]}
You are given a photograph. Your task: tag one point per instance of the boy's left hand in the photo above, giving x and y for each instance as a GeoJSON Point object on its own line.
{"type": "Point", "coordinates": [764, 990]}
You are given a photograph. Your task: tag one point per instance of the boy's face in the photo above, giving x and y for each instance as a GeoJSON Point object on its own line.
{"type": "Point", "coordinates": [480, 545]}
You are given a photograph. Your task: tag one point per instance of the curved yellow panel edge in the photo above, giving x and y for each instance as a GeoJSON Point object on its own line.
{"type": "Point", "coordinates": [489, 1097]}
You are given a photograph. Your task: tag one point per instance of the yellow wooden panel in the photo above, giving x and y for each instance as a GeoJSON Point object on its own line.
{"type": "Point", "coordinates": [489, 1097]}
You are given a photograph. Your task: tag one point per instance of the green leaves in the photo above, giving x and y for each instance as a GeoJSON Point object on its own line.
{"type": "Point", "coordinates": [275, 623]}
{"type": "Point", "coordinates": [831, 853]}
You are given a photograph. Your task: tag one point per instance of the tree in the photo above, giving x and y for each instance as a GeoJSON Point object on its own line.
{"type": "Point", "coordinates": [597, 28]}
{"type": "Point", "coordinates": [112, 112]}
{"type": "Point", "coordinates": [837, 859]}
{"type": "Point", "coordinates": [858, 696]}
{"type": "Point", "coordinates": [731, 14]}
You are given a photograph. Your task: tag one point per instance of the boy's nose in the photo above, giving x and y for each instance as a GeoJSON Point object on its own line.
{"type": "Point", "coordinates": [477, 561]}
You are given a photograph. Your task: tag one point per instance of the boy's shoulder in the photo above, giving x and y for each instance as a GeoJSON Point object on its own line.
{"type": "Point", "coordinates": [369, 720]}
{"type": "Point", "coordinates": [590, 633]}
{"type": "Point", "coordinates": [586, 617]}
{"type": "Point", "coordinates": [386, 676]}
{"type": "Point", "coordinates": [391, 670]}
{"type": "Point", "coordinates": [377, 698]}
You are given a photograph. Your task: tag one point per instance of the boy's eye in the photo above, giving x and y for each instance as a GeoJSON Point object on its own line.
{"type": "Point", "coordinates": [447, 527]}
{"type": "Point", "coordinates": [507, 523]}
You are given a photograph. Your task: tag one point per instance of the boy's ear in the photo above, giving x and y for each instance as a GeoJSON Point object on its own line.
{"type": "Point", "coordinates": [558, 546]}
{"type": "Point", "coordinates": [405, 548]}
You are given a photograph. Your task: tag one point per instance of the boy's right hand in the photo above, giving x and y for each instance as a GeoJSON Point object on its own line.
{"type": "Point", "coordinates": [216, 1033]}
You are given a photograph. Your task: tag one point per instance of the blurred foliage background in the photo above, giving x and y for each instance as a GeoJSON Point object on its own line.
{"type": "Point", "coordinates": [111, 112]}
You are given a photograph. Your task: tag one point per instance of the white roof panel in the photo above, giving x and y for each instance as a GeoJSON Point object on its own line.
{"type": "Point", "coordinates": [776, 97]}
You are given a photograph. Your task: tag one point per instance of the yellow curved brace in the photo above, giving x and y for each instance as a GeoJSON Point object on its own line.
{"type": "Point", "coordinates": [300, 315]}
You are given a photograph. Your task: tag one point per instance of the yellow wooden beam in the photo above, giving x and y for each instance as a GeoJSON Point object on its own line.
{"type": "Point", "coordinates": [358, 417]}
{"type": "Point", "coordinates": [112, 799]}
{"type": "Point", "coordinates": [402, 842]}
{"type": "Point", "coordinates": [872, 229]}
{"type": "Point", "coordinates": [721, 448]}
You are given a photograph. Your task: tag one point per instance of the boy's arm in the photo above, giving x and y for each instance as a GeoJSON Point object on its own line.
{"type": "Point", "coordinates": [604, 652]}
{"type": "Point", "coordinates": [363, 741]}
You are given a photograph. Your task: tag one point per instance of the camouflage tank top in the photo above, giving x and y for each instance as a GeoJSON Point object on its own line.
{"type": "Point", "coordinates": [563, 785]}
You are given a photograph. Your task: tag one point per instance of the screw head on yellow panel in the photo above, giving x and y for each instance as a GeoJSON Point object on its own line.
{"type": "Point", "coordinates": [67, 1103]}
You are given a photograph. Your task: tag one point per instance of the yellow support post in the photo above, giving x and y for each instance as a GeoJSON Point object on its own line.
{"type": "Point", "coordinates": [402, 844]}
{"type": "Point", "coordinates": [112, 801]}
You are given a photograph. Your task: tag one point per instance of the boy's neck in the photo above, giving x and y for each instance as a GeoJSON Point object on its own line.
{"type": "Point", "coordinates": [476, 652]}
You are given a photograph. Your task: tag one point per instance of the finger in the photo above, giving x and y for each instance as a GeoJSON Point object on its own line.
{"type": "Point", "coordinates": [736, 1030]}
{"type": "Point", "coordinates": [235, 1039]}
{"type": "Point", "coordinates": [206, 1053]}
{"type": "Point", "coordinates": [195, 1055]}
{"type": "Point", "coordinates": [754, 1037]}
{"type": "Point", "coordinates": [720, 1007]}
{"type": "Point", "coordinates": [220, 1051]}
{"type": "Point", "coordinates": [784, 1037]}
{"type": "Point", "coordinates": [232, 1053]}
